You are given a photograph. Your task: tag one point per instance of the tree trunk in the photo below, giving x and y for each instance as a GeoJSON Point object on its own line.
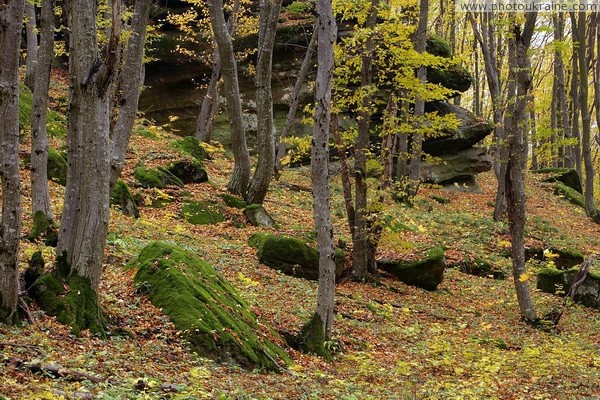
{"type": "Point", "coordinates": [32, 44]}
{"type": "Point", "coordinates": [269, 14]}
{"type": "Point", "coordinates": [319, 329]}
{"type": "Point", "coordinates": [559, 75]}
{"type": "Point", "coordinates": [40, 196]}
{"type": "Point", "coordinates": [241, 170]}
{"type": "Point", "coordinates": [586, 152]}
{"type": "Point", "coordinates": [360, 265]}
{"type": "Point", "coordinates": [131, 79]}
{"type": "Point", "coordinates": [291, 116]}
{"type": "Point", "coordinates": [576, 105]}
{"type": "Point", "coordinates": [534, 142]}
{"type": "Point", "coordinates": [11, 20]}
{"type": "Point", "coordinates": [344, 172]}
{"type": "Point", "coordinates": [515, 188]}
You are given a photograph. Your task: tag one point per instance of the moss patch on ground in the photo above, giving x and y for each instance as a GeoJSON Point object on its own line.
{"type": "Point", "coordinates": [56, 123]}
{"type": "Point", "coordinates": [189, 145]}
{"type": "Point", "coordinates": [57, 167]}
{"type": "Point", "coordinates": [43, 228]}
{"type": "Point", "coordinates": [233, 201]}
{"type": "Point", "coordinates": [121, 197]}
{"type": "Point", "coordinates": [207, 308]}
{"type": "Point", "coordinates": [570, 194]}
{"type": "Point", "coordinates": [201, 213]}
{"type": "Point", "coordinates": [156, 177]}
{"type": "Point", "coordinates": [427, 272]}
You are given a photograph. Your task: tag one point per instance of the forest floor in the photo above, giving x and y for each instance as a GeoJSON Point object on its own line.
{"type": "Point", "coordinates": [464, 340]}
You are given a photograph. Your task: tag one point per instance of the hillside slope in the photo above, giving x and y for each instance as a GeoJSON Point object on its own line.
{"type": "Point", "coordinates": [394, 341]}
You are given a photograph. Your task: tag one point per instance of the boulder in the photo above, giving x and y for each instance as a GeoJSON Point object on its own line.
{"type": "Point", "coordinates": [460, 166]}
{"type": "Point", "coordinates": [292, 256]}
{"type": "Point", "coordinates": [565, 257]}
{"type": "Point", "coordinates": [189, 145]}
{"type": "Point", "coordinates": [555, 281]}
{"type": "Point", "coordinates": [188, 171]}
{"type": "Point", "coordinates": [569, 194]}
{"type": "Point", "coordinates": [567, 176]}
{"type": "Point", "coordinates": [206, 308]}
{"type": "Point", "coordinates": [201, 213]}
{"type": "Point", "coordinates": [426, 273]}
{"type": "Point", "coordinates": [258, 216]}
{"type": "Point", "coordinates": [156, 177]}
{"type": "Point", "coordinates": [122, 198]}
{"type": "Point", "coordinates": [57, 167]}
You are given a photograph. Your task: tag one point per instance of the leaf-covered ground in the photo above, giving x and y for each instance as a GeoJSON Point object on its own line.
{"type": "Point", "coordinates": [464, 340]}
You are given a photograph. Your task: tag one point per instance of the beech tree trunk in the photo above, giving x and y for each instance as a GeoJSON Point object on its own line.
{"type": "Point", "coordinates": [322, 321]}
{"type": "Point", "coordinates": [519, 67]}
{"type": "Point", "coordinates": [40, 196]}
{"type": "Point", "coordinates": [241, 170]}
{"type": "Point", "coordinates": [559, 76]}
{"type": "Point", "coordinates": [575, 99]}
{"type": "Point", "coordinates": [11, 20]}
{"type": "Point", "coordinates": [32, 44]}
{"type": "Point", "coordinates": [269, 14]}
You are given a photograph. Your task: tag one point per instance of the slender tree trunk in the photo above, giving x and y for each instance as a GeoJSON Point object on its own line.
{"type": "Point", "coordinates": [269, 14]}
{"type": "Point", "coordinates": [322, 320]}
{"type": "Point", "coordinates": [576, 101]}
{"type": "Point", "coordinates": [559, 75]}
{"type": "Point", "coordinates": [295, 102]}
{"type": "Point", "coordinates": [32, 44]}
{"type": "Point", "coordinates": [360, 266]}
{"type": "Point", "coordinates": [416, 149]}
{"type": "Point", "coordinates": [11, 20]}
{"type": "Point", "coordinates": [534, 141]}
{"type": "Point", "coordinates": [345, 173]}
{"type": "Point", "coordinates": [515, 187]}
{"type": "Point", "coordinates": [131, 79]}
{"type": "Point", "coordinates": [476, 88]}
{"type": "Point", "coordinates": [40, 196]}
{"type": "Point", "coordinates": [241, 170]}
{"type": "Point", "coordinates": [586, 151]}
{"type": "Point", "coordinates": [554, 124]}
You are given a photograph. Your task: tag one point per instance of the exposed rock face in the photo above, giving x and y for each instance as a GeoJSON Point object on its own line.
{"type": "Point", "coordinates": [426, 273]}
{"type": "Point", "coordinates": [551, 280]}
{"type": "Point", "coordinates": [258, 216]}
{"type": "Point", "coordinates": [458, 167]}
{"type": "Point", "coordinates": [567, 176]}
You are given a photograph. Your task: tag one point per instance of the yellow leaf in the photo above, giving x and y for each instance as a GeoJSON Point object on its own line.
{"type": "Point", "coordinates": [524, 277]}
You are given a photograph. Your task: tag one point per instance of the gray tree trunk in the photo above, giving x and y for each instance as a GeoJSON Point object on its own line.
{"type": "Point", "coordinates": [269, 14]}
{"type": "Point", "coordinates": [84, 222]}
{"type": "Point", "coordinates": [241, 170]}
{"type": "Point", "coordinates": [32, 44]}
{"type": "Point", "coordinates": [11, 20]}
{"type": "Point", "coordinates": [320, 169]}
{"type": "Point", "coordinates": [40, 196]}
{"type": "Point", "coordinates": [575, 99]}
{"type": "Point", "coordinates": [360, 260]}
{"type": "Point", "coordinates": [559, 75]}
{"type": "Point", "coordinates": [131, 78]}
{"type": "Point", "coordinates": [295, 102]}
{"type": "Point", "coordinates": [515, 187]}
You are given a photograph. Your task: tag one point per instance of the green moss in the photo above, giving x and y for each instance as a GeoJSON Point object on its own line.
{"type": "Point", "coordinates": [72, 300]}
{"type": "Point", "coordinates": [567, 176]}
{"type": "Point", "coordinates": [57, 167]}
{"type": "Point", "coordinates": [145, 132]}
{"type": "Point", "coordinates": [257, 240]}
{"type": "Point", "coordinates": [155, 177]}
{"type": "Point", "coordinates": [455, 78]}
{"type": "Point", "coordinates": [437, 46]}
{"type": "Point", "coordinates": [56, 123]}
{"type": "Point", "coordinates": [169, 178]}
{"type": "Point", "coordinates": [427, 272]}
{"type": "Point", "coordinates": [207, 308]}
{"type": "Point", "coordinates": [201, 213]}
{"type": "Point", "coordinates": [440, 199]}
{"type": "Point", "coordinates": [189, 145]}
{"type": "Point", "coordinates": [121, 197]}
{"type": "Point", "coordinates": [312, 338]}
{"type": "Point", "coordinates": [233, 201]}
{"type": "Point", "coordinates": [43, 227]}
{"type": "Point", "coordinates": [569, 194]}
{"type": "Point", "coordinates": [188, 171]}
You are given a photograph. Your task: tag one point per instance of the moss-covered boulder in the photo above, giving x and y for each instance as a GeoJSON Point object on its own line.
{"type": "Point", "coordinates": [201, 213]}
{"type": "Point", "coordinates": [189, 145]}
{"type": "Point", "coordinates": [258, 216]}
{"type": "Point", "coordinates": [481, 267]}
{"type": "Point", "coordinates": [156, 177]}
{"type": "Point", "coordinates": [426, 273]}
{"type": "Point", "coordinates": [567, 176]}
{"type": "Point", "coordinates": [188, 171]}
{"type": "Point", "coordinates": [205, 307]}
{"type": "Point", "coordinates": [57, 167]}
{"type": "Point", "coordinates": [438, 46]}
{"type": "Point", "coordinates": [122, 198]}
{"type": "Point", "coordinates": [292, 256]}
{"type": "Point", "coordinates": [56, 123]}
{"type": "Point", "coordinates": [233, 201]}
{"type": "Point", "coordinates": [570, 194]}
{"type": "Point", "coordinates": [44, 228]}
{"type": "Point", "coordinates": [455, 77]}
{"type": "Point", "coordinates": [563, 257]}
{"type": "Point", "coordinates": [555, 281]}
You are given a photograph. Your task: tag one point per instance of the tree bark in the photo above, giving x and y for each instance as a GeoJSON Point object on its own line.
{"type": "Point", "coordinates": [320, 169]}
{"type": "Point", "coordinates": [32, 44]}
{"type": "Point", "coordinates": [559, 75]}
{"type": "Point", "coordinates": [515, 188]}
{"type": "Point", "coordinates": [291, 116]}
{"type": "Point", "coordinates": [131, 78]}
{"type": "Point", "coordinates": [575, 99]}
{"type": "Point", "coordinates": [11, 20]}
{"type": "Point", "coordinates": [269, 14]}
{"type": "Point", "coordinates": [241, 170]}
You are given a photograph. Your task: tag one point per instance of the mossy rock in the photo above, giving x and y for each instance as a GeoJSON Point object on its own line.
{"type": "Point", "coordinates": [437, 46]}
{"type": "Point", "coordinates": [189, 145]}
{"type": "Point", "coordinates": [71, 299]}
{"type": "Point", "coordinates": [571, 195]}
{"type": "Point", "coordinates": [258, 216]}
{"type": "Point", "coordinates": [156, 177]}
{"type": "Point", "coordinates": [563, 257]}
{"type": "Point", "coordinates": [482, 268]}
{"type": "Point", "coordinates": [44, 228]}
{"type": "Point", "coordinates": [188, 171]}
{"type": "Point", "coordinates": [455, 78]}
{"type": "Point", "coordinates": [567, 176]}
{"type": "Point", "coordinates": [56, 123]}
{"type": "Point", "coordinates": [555, 281]}
{"type": "Point", "coordinates": [233, 201]}
{"type": "Point", "coordinates": [205, 307]}
{"type": "Point", "coordinates": [121, 197]}
{"type": "Point", "coordinates": [292, 256]}
{"type": "Point", "coordinates": [201, 213]}
{"type": "Point", "coordinates": [57, 167]}
{"type": "Point", "coordinates": [426, 273]}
